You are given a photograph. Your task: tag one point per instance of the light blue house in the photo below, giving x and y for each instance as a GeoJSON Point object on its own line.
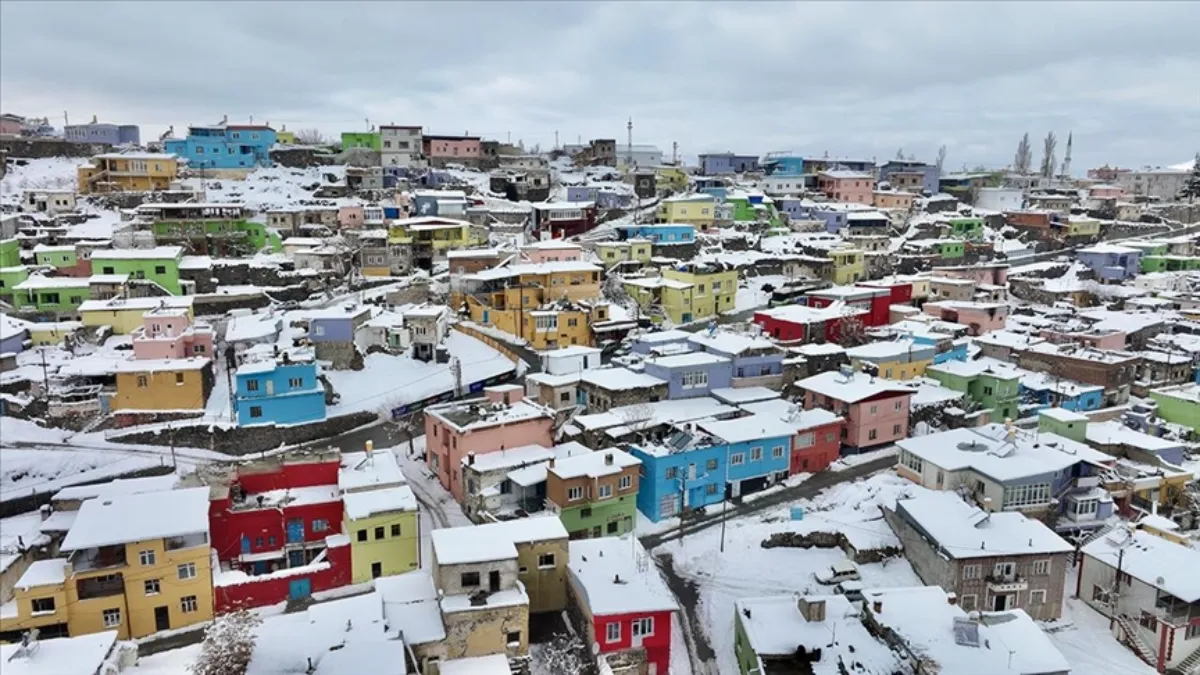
{"type": "Point", "coordinates": [783, 165]}
{"type": "Point", "coordinates": [1112, 262]}
{"type": "Point", "coordinates": [659, 233]}
{"type": "Point", "coordinates": [278, 391]}
{"type": "Point", "coordinates": [224, 146]}
{"type": "Point", "coordinates": [1043, 391]}
{"type": "Point", "coordinates": [707, 462]}
{"type": "Point", "coordinates": [691, 374]}
{"type": "Point", "coordinates": [755, 361]}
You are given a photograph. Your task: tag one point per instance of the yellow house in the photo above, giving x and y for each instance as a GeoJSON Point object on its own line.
{"type": "Point", "coordinates": [1082, 226]}
{"type": "Point", "coordinates": [285, 137]}
{"type": "Point", "coordinates": [51, 333]}
{"type": "Point", "coordinates": [631, 250]}
{"type": "Point", "coordinates": [714, 287]}
{"type": "Point", "coordinates": [125, 315]}
{"type": "Point", "coordinates": [163, 384]}
{"type": "Point", "coordinates": [896, 359]}
{"type": "Point", "coordinates": [134, 172]}
{"type": "Point", "coordinates": [380, 516]}
{"type": "Point", "coordinates": [849, 265]}
{"type": "Point", "coordinates": [438, 233]}
{"type": "Point", "coordinates": [135, 563]}
{"type": "Point", "coordinates": [549, 304]}
{"type": "Point", "coordinates": [671, 177]}
{"type": "Point", "coordinates": [698, 210]}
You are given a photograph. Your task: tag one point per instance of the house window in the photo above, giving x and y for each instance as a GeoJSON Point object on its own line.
{"type": "Point", "coordinates": [256, 411]}
{"type": "Point", "coordinates": [146, 558]}
{"type": "Point", "coordinates": [112, 618]}
{"type": "Point", "coordinates": [1040, 567]}
{"type": "Point", "coordinates": [1192, 632]}
{"type": "Point", "coordinates": [612, 631]}
{"type": "Point", "coordinates": [1037, 597]}
{"type": "Point", "coordinates": [151, 586]}
{"type": "Point", "coordinates": [777, 452]}
{"type": "Point", "coordinates": [671, 473]}
{"type": "Point", "coordinates": [319, 330]}
{"type": "Point", "coordinates": [545, 561]}
{"type": "Point", "coordinates": [178, 378]}
{"type": "Point", "coordinates": [755, 454]}
{"type": "Point", "coordinates": [710, 489]}
{"type": "Point", "coordinates": [696, 378]}
{"type": "Point", "coordinates": [160, 269]}
{"type": "Point", "coordinates": [295, 382]}
{"type": "Point", "coordinates": [605, 491]}
{"type": "Point", "coordinates": [320, 525]}
{"type": "Point", "coordinates": [1018, 496]}
{"type": "Point", "coordinates": [970, 572]}
{"type": "Point", "coordinates": [574, 494]}
{"type": "Point", "coordinates": [1004, 570]}
{"type": "Point", "coordinates": [737, 459]}
{"type": "Point", "coordinates": [251, 385]}
{"type": "Point", "coordinates": [875, 408]}
{"type": "Point", "coordinates": [187, 604]}
{"type": "Point", "coordinates": [899, 405]}
{"type": "Point", "coordinates": [895, 429]}
{"type": "Point", "coordinates": [513, 638]}
{"type": "Point", "coordinates": [625, 483]}
{"type": "Point", "coordinates": [142, 381]}
{"type": "Point", "coordinates": [42, 605]}
{"type": "Point", "coordinates": [362, 535]}
{"type": "Point", "coordinates": [469, 579]}
{"type": "Point", "coordinates": [711, 465]}
{"type": "Point", "coordinates": [186, 571]}
{"type": "Point", "coordinates": [379, 533]}
{"type": "Point", "coordinates": [912, 462]}
{"type": "Point", "coordinates": [872, 434]}
{"type": "Point", "coordinates": [642, 627]}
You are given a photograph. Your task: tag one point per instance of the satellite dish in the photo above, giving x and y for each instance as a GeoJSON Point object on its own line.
{"type": "Point", "coordinates": [595, 648]}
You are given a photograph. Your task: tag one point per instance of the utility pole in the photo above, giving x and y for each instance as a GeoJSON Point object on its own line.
{"type": "Point", "coordinates": [66, 122]}
{"type": "Point", "coordinates": [456, 370]}
{"type": "Point", "coordinates": [629, 142]}
{"type": "Point", "coordinates": [1116, 593]}
{"type": "Point", "coordinates": [45, 376]}
{"type": "Point", "coordinates": [229, 361]}
{"type": "Point", "coordinates": [556, 139]}
{"type": "Point", "coordinates": [174, 461]}
{"type": "Point", "coordinates": [675, 153]}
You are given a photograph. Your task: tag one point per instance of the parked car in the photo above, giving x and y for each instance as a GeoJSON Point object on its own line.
{"type": "Point", "coordinates": [853, 590]}
{"type": "Point", "coordinates": [842, 570]}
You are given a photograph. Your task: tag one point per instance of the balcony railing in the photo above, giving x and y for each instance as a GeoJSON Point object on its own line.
{"type": "Point", "coordinates": [101, 587]}
{"type": "Point", "coordinates": [185, 541]}
{"type": "Point", "coordinates": [100, 558]}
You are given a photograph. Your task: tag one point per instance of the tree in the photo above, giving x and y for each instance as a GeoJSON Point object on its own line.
{"type": "Point", "coordinates": [941, 158]}
{"type": "Point", "coordinates": [228, 644]}
{"type": "Point", "coordinates": [1048, 160]}
{"type": "Point", "coordinates": [411, 426]}
{"type": "Point", "coordinates": [1191, 189]}
{"type": "Point", "coordinates": [900, 154]}
{"type": "Point", "coordinates": [1024, 159]}
{"type": "Point", "coordinates": [311, 137]}
{"type": "Point", "coordinates": [638, 418]}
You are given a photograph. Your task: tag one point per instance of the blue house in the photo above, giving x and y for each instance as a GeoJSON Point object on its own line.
{"type": "Point", "coordinates": [582, 193]}
{"type": "Point", "coordinates": [659, 233]}
{"type": "Point", "coordinates": [707, 462]}
{"type": "Point", "coordinates": [755, 361]}
{"type": "Point", "coordinates": [224, 146]}
{"type": "Point", "coordinates": [783, 165]}
{"type": "Point", "coordinates": [1044, 390]}
{"type": "Point", "coordinates": [726, 163]}
{"type": "Point", "coordinates": [929, 173]}
{"type": "Point", "coordinates": [650, 343]}
{"type": "Point", "coordinates": [278, 391]}
{"type": "Point", "coordinates": [1112, 262]}
{"type": "Point", "coordinates": [691, 374]}
{"type": "Point", "coordinates": [704, 183]}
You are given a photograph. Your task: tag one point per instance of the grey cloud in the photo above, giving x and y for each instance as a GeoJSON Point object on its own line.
{"type": "Point", "coordinates": [852, 79]}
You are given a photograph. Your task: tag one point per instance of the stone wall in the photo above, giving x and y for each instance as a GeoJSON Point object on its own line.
{"type": "Point", "coordinates": [119, 419]}
{"type": "Point", "coordinates": [242, 273]}
{"type": "Point", "coordinates": [301, 157]}
{"type": "Point", "coordinates": [218, 305]}
{"type": "Point", "coordinates": [1124, 230]}
{"type": "Point", "coordinates": [36, 148]}
{"type": "Point", "coordinates": [240, 441]}
{"type": "Point", "coordinates": [340, 354]}
{"type": "Point", "coordinates": [132, 200]}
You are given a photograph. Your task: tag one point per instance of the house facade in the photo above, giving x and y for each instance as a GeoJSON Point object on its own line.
{"type": "Point", "coordinates": [163, 384]}
{"type": "Point", "coordinates": [159, 265]}
{"type": "Point", "coordinates": [380, 515]}
{"type": "Point", "coordinates": [847, 186]}
{"type": "Point", "coordinates": [281, 391]}
{"type": "Point", "coordinates": [140, 172]}
{"type": "Point", "coordinates": [594, 494]}
{"type": "Point", "coordinates": [876, 411]}
{"type": "Point", "coordinates": [224, 146]}
{"type": "Point", "coordinates": [169, 333]}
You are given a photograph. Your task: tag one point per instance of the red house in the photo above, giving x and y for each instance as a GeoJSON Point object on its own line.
{"type": "Point", "coordinates": [564, 219]}
{"type": "Point", "coordinates": [624, 601]}
{"type": "Point", "coordinates": [900, 292]}
{"type": "Point", "coordinates": [817, 441]}
{"type": "Point", "coordinates": [800, 324]}
{"type": "Point", "coordinates": [276, 530]}
{"type": "Point", "coordinates": [875, 301]}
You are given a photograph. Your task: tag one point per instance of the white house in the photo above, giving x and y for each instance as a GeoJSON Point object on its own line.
{"type": "Point", "coordinates": [569, 360]}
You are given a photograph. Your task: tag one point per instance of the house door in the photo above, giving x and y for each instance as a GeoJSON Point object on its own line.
{"type": "Point", "coordinates": [299, 588]}
{"type": "Point", "coordinates": [376, 570]}
{"type": "Point", "coordinates": [295, 531]}
{"type": "Point", "coordinates": [486, 317]}
{"type": "Point", "coordinates": [1001, 603]}
{"type": "Point", "coordinates": [494, 581]}
{"type": "Point", "coordinates": [295, 558]}
{"type": "Point", "coordinates": [162, 618]}
{"type": "Point", "coordinates": [245, 544]}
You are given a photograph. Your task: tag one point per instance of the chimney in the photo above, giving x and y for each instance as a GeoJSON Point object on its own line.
{"type": "Point", "coordinates": [812, 610]}
{"type": "Point", "coordinates": [551, 465]}
{"type": "Point", "coordinates": [877, 607]}
{"type": "Point", "coordinates": [470, 459]}
{"type": "Point", "coordinates": [608, 459]}
{"type": "Point", "coordinates": [952, 598]}
{"type": "Point", "coordinates": [369, 446]}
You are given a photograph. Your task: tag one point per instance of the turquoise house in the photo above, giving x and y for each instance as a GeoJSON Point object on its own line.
{"type": "Point", "coordinates": [278, 391]}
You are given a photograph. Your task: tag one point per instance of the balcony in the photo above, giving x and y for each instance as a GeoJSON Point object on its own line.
{"type": "Point", "coordinates": [100, 587]}
{"type": "Point", "coordinates": [769, 381]}
{"type": "Point", "coordinates": [104, 557]}
{"type": "Point", "coordinates": [186, 541]}
{"type": "Point", "coordinates": [1006, 583]}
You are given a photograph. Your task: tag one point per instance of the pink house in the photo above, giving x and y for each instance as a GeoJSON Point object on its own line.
{"type": "Point", "coordinates": [351, 217]}
{"type": "Point", "coordinates": [1112, 340]}
{"type": "Point", "coordinates": [552, 250]}
{"type": "Point", "coordinates": [876, 410]}
{"type": "Point", "coordinates": [978, 317]}
{"type": "Point", "coordinates": [456, 433]}
{"type": "Point", "coordinates": [168, 333]}
{"type": "Point", "coordinates": [452, 148]}
{"type": "Point", "coordinates": [984, 274]}
{"type": "Point", "coordinates": [847, 186]}
{"type": "Point", "coordinates": [1105, 192]}
{"type": "Point", "coordinates": [11, 125]}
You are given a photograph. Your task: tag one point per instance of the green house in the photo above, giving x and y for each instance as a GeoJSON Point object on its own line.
{"type": "Point", "coordinates": [159, 264]}
{"type": "Point", "coordinates": [752, 208]}
{"type": "Point", "coordinates": [361, 139]}
{"type": "Point", "coordinates": [1179, 405]}
{"type": "Point", "coordinates": [10, 253]}
{"type": "Point", "coordinates": [10, 277]}
{"type": "Point", "coordinates": [585, 509]}
{"type": "Point", "coordinates": [1065, 423]}
{"type": "Point", "coordinates": [994, 391]}
{"type": "Point", "coordinates": [1169, 263]}
{"type": "Point", "coordinates": [50, 294]}
{"type": "Point", "coordinates": [966, 227]}
{"type": "Point", "coordinates": [55, 256]}
{"type": "Point", "coordinates": [950, 249]}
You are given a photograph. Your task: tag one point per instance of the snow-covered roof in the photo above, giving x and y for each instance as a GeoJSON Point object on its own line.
{"type": "Point", "coordinates": [12, 327]}
{"type": "Point", "coordinates": [118, 487]}
{"type": "Point", "coordinates": [79, 654]}
{"type": "Point", "coordinates": [673, 410]}
{"type": "Point", "coordinates": [121, 519]}
{"type": "Point", "coordinates": [774, 626]}
{"type": "Point", "coordinates": [1113, 432]}
{"type": "Point", "coordinates": [1109, 248]}
{"type": "Point", "coordinates": [161, 365]}
{"type": "Point", "coordinates": [37, 282]}
{"type": "Point", "coordinates": [156, 253]}
{"type": "Point", "coordinates": [410, 605]}
{"type": "Point", "coordinates": [619, 379]}
{"type": "Point", "coordinates": [614, 575]}
{"type": "Point", "coordinates": [999, 643]}
{"type": "Point", "coordinates": [494, 541]}
{"type": "Point", "coordinates": [857, 387]}
{"type": "Point", "coordinates": [803, 314]}
{"type": "Point", "coordinates": [360, 471]}
{"type": "Point", "coordinates": [108, 278]}
{"type": "Point", "coordinates": [743, 395]}
{"type": "Point", "coordinates": [494, 664]}
{"type": "Point", "coordinates": [479, 413]}
{"type": "Point", "coordinates": [687, 360]}
{"type": "Point", "coordinates": [727, 342]}
{"type": "Point", "coordinates": [986, 450]}
{"type": "Point", "coordinates": [552, 267]}
{"type": "Point", "coordinates": [44, 573]}
{"type": "Point", "coordinates": [512, 457]}
{"type": "Point", "coordinates": [536, 473]}
{"type": "Point", "coordinates": [384, 500]}
{"type": "Point", "coordinates": [362, 656]}
{"type": "Point", "coordinates": [119, 304]}
{"type": "Point", "coordinates": [961, 530]}
{"type": "Point", "coordinates": [1152, 560]}
{"type": "Point", "coordinates": [791, 414]}
{"type": "Point", "coordinates": [593, 465]}
{"type": "Point", "coordinates": [749, 428]}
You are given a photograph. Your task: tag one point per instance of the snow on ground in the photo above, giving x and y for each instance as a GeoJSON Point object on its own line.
{"type": "Point", "coordinates": [391, 381]}
{"type": "Point", "coordinates": [750, 294]}
{"type": "Point", "coordinates": [172, 662]}
{"type": "Point", "coordinates": [274, 188]}
{"type": "Point", "coordinates": [28, 471]}
{"type": "Point", "coordinates": [746, 569]}
{"type": "Point", "coordinates": [1083, 638]}
{"type": "Point", "coordinates": [50, 173]}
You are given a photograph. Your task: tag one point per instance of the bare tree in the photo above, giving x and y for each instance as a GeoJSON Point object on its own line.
{"type": "Point", "coordinates": [1024, 159]}
{"type": "Point", "coordinates": [941, 158]}
{"type": "Point", "coordinates": [228, 644]}
{"type": "Point", "coordinates": [638, 418]}
{"type": "Point", "coordinates": [900, 154]}
{"type": "Point", "coordinates": [311, 136]}
{"type": "Point", "coordinates": [1048, 160]}
{"type": "Point", "coordinates": [411, 426]}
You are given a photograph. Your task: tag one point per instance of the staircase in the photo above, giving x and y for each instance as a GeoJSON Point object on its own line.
{"type": "Point", "coordinates": [1188, 666]}
{"type": "Point", "coordinates": [1071, 557]}
{"type": "Point", "coordinates": [1135, 641]}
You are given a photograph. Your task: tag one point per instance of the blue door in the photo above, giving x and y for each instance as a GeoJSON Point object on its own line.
{"type": "Point", "coordinates": [295, 531]}
{"type": "Point", "coordinates": [260, 567]}
{"type": "Point", "coordinates": [295, 558]}
{"type": "Point", "coordinates": [245, 544]}
{"type": "Point", "coordinates": [687, 318]}
{"type": "Point", "coordinates": [485, 317]}
{"type": "Point", "coordinates": [299, 588]}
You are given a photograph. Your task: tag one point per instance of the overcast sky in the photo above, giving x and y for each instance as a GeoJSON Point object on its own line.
{"type": "Point", "coordinates": [850, 80]}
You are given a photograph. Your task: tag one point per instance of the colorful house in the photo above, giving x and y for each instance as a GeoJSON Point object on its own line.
{"type": "Point", "coordinates": [159, 265]}
{"type": "Point", "coordinates": [875, 410]}
{"type": "Point", "coordinates": [163, 384]}
{"type": "Point", "coordinates": [801, 324]}
{"type": "Point", "coordinates": [849, 265]}
{"type": "Point", "coordinates": [1082, 226]}
{"type": "Point", "coordinates": [380, 515]}
{"type": "Point", "coordinates": [964, 227]}
{"type": "Point", "coordinates": [207, 228]}
{"type": "Point", "coordinates": [62, 258]}
{"type": "Point", "coordinates": [1179, 405]}
{"type": "Point", "coordinates": [756, 361]}
{"type": "Point", "coordinates": [817, 438]}
{"type": "Point", "coordinates": [594, 494]}
{"type": "Point", "coordinates": [224, 146]}
{"type": "Point", "coordinates": [894, 359]}
{"type": "Point", "coordinates": [102, 133]}
{"type": "Point", "coordinates": [713, 289]}
{"type": "Point", "coordinates": [281, 391]}
{"type": "Point", "coordinates": [136, 564]}
{"type": "Point", "coordinates": [847, 186]}
{"type": "Point", "coordinates": [1111, 262]}
{"type": "Point", "coordinates": [361, 139]}
{"type": "Point", "coordinates": [659, 233]}
{"type": "Point", "coordinates": [168, 333]}
{"type": "Point", "coordinates": [993, 389]}
{"type": "Point", "coordinates": [125, 315]}
{"type": "Point", "coordinates": [716, 164]}
{"type": "Point", "coordinates": [699, 210]}
{"type": "Point", "coordinates": [549, 304]}
{"type": "Point", "coordinates": [979, 317]}
{"type": "Point", "coordinates": [615, 252]}
{"type": "Point", "coordinates": [50, 294]}
{"type": "Point", "coordinates": [624, 605]}
{"type": "Point", "coordinates": [442, 150]}
{"type": "Point", "coordinates": [134, 172]}
{"type": "Point", "coordinates": [691, 374]}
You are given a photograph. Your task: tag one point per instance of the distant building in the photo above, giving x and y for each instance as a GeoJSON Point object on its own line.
{"type": "Point", "coordinates": [98, 132]}
{"type": "Point", "coordinates": [224, 146]}
{"type": "Point", "coordinates": [715, 164]}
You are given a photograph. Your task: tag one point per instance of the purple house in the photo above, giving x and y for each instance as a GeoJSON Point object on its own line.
{"type": "Point", "coordinates": [691, 374]}
{"type": "Point", "coordinates": [755, 361]}
{"type": "Point", "coordinates": [835, 219]}
{"type": "Point", "coordinates": [14, 335]}
{"type": "Point", "coordinates": [727, 162]}
{"type": "Point", "coordinates": [582, 193]}
{"type": "Point", "coordinates": [1111, 262]}
{"type": "Point", "coordinates": [655, 343]}
{"type": "Point", "coordinates": [112, 134]}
